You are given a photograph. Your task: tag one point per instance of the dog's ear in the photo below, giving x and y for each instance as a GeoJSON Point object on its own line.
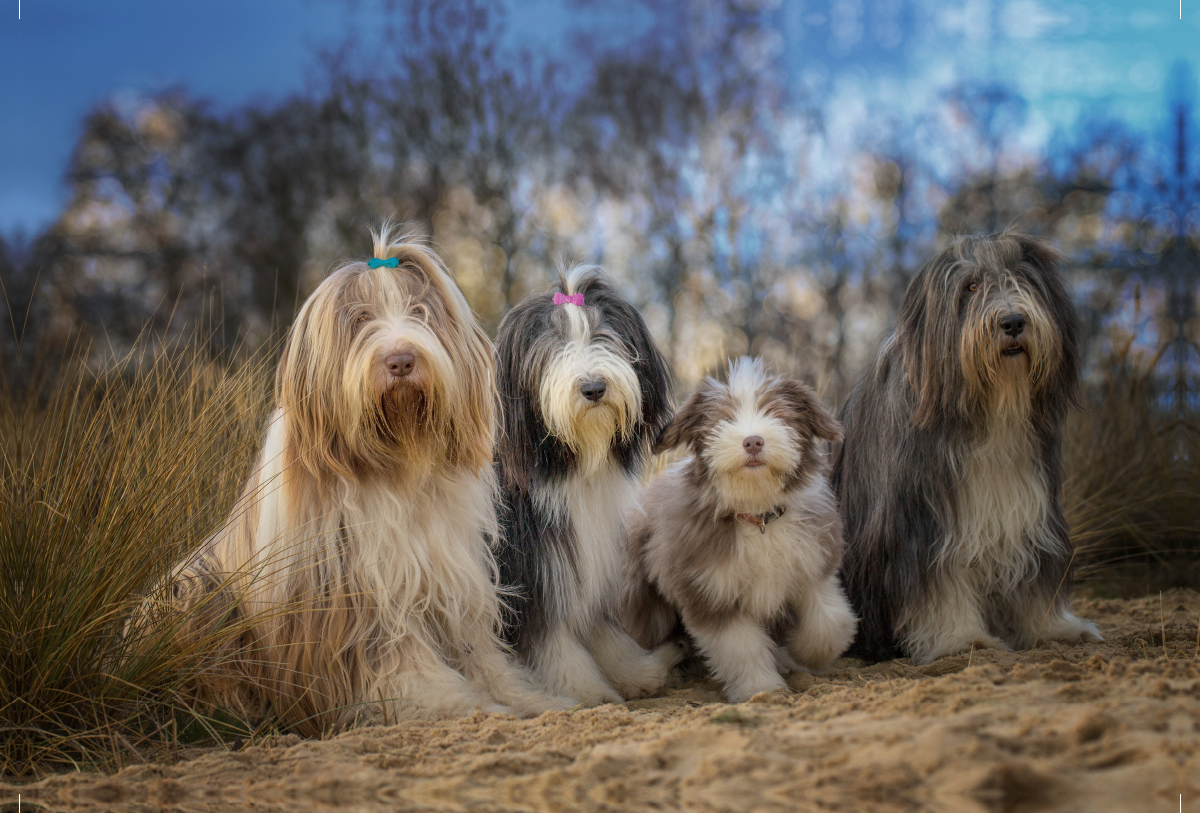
{"type": "Point", "coordinates": [474, 435]}
{"type": "Point", "coordinates": [308, 390]}
{"type": "Point", "coordinates": [524, 344]}
{"type": "Point", "coordinates": [653, 374]}
{"type": "Point", "coordinates": [520, 426]}
{"type": "Point", "coordinates": [928, 333]}
{"type": "Point", "coordinates": [806, 414]}
{"type": "Point", "coordinates": [689, 424]}
{"type": "Point", "coordinates": [1043, 264]}
{"type": "Point", "coordinates": [472, 411]}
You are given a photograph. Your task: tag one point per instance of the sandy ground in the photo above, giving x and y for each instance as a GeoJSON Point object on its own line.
{"type": "Point", "coordinates": [1096, 727]}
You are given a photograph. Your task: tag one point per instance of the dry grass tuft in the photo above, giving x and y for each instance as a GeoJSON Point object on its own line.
{"type": "Point", "coordinates": [106, 479]}
{"type": "Point", "coordinates": [1132, 484]}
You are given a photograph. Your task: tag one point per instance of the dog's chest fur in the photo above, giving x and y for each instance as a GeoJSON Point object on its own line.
{"type": "Point", "coordinates": [1002, 511]}
{"type": "Point", "coordinates": [593, 504]}
{"type": "Point", "coordinates": [417, 554]}
{"type": "Point", "coordinates": [436, 531]}
{"type": "Point", "coordinates": [761, 570]}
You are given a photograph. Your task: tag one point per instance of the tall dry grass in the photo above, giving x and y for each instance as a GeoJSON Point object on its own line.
{"type": "Point", "coordinates": [1132, 485]}
{"type": "Point", "coordinates": [106, 479]}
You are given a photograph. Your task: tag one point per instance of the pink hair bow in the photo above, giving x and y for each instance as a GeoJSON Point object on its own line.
{"type": "Point", "coordinates": [568, 299]}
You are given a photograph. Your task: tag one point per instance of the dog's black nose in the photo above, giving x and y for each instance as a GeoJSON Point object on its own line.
{"type": "Point", "coordinates": [401, 364]}
{"type": "Point", "coordinates": [593, 390]}
{"type": "Point", "coordinates": [753, 444]}
{"type": "Point", "coordinates": [1013, 324]}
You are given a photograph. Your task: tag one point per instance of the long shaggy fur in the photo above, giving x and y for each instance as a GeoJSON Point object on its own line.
{"type": "Point", "coordinates": [950, 473]}
{"type": "Point", "coordinates": [568, 468]}
{"type": "Point", "coordinates": [756, 600]}
{"type": "Point", "coordinates": [357, 559]}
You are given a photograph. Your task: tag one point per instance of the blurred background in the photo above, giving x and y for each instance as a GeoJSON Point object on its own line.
{"type": "Point", "coordinates": [762, 177]}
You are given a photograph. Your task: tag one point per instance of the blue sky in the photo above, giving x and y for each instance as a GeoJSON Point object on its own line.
{"type": "Point", "coordinates": [1068, 58]}
{"type": "Point", "coordinates": [65, 56]}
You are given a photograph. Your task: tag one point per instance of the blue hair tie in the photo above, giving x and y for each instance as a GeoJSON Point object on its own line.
{"type": "Point", "coordinates": [390, 262]}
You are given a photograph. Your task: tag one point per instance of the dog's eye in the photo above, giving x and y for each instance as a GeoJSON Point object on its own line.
{"type": "Point", "coordinates": [360, 319]}
{"type": "Point", "coordinates": [972, 287]}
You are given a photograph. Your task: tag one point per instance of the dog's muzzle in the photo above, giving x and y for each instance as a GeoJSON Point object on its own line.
{"type": "Point", "coordinates": [1012, 326]}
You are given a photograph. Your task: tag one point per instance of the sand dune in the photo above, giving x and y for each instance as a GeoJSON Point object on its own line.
{"type": "Point", "coordinates": [1113, 726]}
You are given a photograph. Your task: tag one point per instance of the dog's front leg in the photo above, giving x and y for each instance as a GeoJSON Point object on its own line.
{"type": "Point", "coordinates": [740, 654]}
{"type": "Point", "coordinates": [566, 668]}
{"type": "Point", "coordinates": [507, 682]}
{"type": "Point", "coordinates": [1040, 619]}
{"type": "Point", "coordinates": [424, 686]}
{"type": "Point", "coordinates": [825, 624]}
{"type": "Point", "coordinates": [947, 620]}
{"type": "Point", "coordinates": [634, 671]}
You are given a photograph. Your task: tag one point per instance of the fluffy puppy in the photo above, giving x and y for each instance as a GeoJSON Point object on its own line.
{"type": "Point", "coordinates": [357, 560]}
{"type": "Point", "coordinates": [583, 390]}
{"type": "Point", "coordinates": [950, 473]}
{"type": "Point", "coordinates": [742, 540]}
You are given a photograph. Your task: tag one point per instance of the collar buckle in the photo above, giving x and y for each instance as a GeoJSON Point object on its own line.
{"type": "Point", "coordinates": [761, 520]}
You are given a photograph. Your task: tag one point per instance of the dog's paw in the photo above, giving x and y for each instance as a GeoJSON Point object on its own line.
{"type": "Point", "coordinates": [984, 642]}
{"type": "Point", "coordinates": [816, 659]}
{"type": "Point", "coordinates": [594, 696]}
{"type": "Point", "coordinates": [743, 691]}
{"type": "Point", "coordinates": [529, 711]}
{"type": "Point", "coordinates": [612, 697]}
{"type": "Point", "coordinates": [1072, 629]}
{"type": "Point", "coordinates": [534, 707]}
{"type": "Point", "coordinates": [650, 673]}
{"type": "Point", "coordinates": [785, 663]}
{"type": "Point", "coordinates": [923, 656]}
{"type": "Point", "coordinates": [646, 686]}
{"type": "Point", "coordinates": [1064, 626]}
{"type": "Point", "coordinates": [669, 655]}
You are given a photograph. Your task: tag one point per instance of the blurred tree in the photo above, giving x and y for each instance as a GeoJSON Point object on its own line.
{"type": "Point", "coordinates": [269, 175]}
{"type": "Point", "coordinates": [687, 161]}
{"type": "Point", "coordinates": [120, 255]}
{"type": "Point", "coordinates": [470, 135]}
{"type": "Point", "coordinates": [683, 130]}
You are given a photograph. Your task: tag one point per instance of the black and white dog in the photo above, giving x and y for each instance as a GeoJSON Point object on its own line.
{"type": "Point", "coordinates": [584, 391]}
{"type": "Point", "coordinates": [949, 476]}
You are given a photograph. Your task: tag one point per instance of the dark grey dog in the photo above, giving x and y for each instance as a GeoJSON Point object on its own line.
{"type": "Point", "coordinates": [949, 476]}
{"type": "Point", "coordinates": [742, 541]}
